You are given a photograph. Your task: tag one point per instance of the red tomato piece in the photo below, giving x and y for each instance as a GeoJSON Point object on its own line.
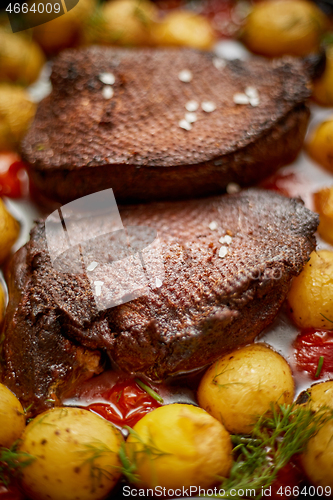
{"type": "Point", "coordinates": [117, 398]}
{"type": "Point", "coordinates": [12, 173]}
{"type": "Point", "coordinates": [309, 346]}
{"type": "Point", "coordinates": [289, 479]}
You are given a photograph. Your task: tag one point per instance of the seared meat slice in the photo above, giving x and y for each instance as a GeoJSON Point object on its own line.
{"type": "Point", "coordinates": [228, 261]}
{"type": "Point", "coordinates": [83, 140]}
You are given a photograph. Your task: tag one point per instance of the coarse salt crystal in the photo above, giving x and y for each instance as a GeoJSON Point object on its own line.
{"type": "Point", "coordinates": [232, 188]}
{"type": "Point", "coordinates": [107, 78]}
{"type": "Point", "coordinates": [219, 63]}
{"type": "Point", "coordinates": [190, 117]}
{"type": "Point", "coordinates": [185, 124]}
{"type": "Point", "coordinates": [226, 239]}
{"type": "Point", "coordinates": [208, 106]}
{"type": "Point", "coordinates": [240, 98]}
{"type": "Point", "coordinates": [158, 282]}
{"type": "Point", "coordinates": [92, 266]}
{"type": "Point", "coordinates": [223, 252]}
{"type": "Point", "coordinates": [213, 225]}
{"type": "Point", "coordinates": [185, 75]}
{"type": "Point", "coordinates": [192, 106]}
{"type": "Point", "coordinates": [254, 101]}
{"type": "Point", "coordinates": [107, 92]}
{"type": "Point", "coordinates": [251, 92]}
{"type": "Point", "coordinates": [98, 289]}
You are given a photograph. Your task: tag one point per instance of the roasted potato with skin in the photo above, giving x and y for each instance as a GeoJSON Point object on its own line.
{"type": "Point", "coordinates": [16, 114]}
{"type": "Point", "coordinates": [311, 295]}
{"type": "Point", "coordinates": [2, 303]}
{"type": "Point", "coordinates": [126, 22]}
{"type": "Point", "coordinates": [9, 230]}
{"type": "Point", "coordinates": [323, 201]}
{"type": "Point", "coordinates": [242, 385]}
{"type": "Point", "coordinates": [76, 455]}
{"type": "Point", "coordinates": [21, 59]}
{"type": "Point", "coordinates": [323, 86]}
{"type": "Point", "coordinates": [184, 28]}
{"type": "Point", "coordinates": [277, 27]}
{"type": "Point", "coordinates": [65, 31]}
{"type": "Point", "coordinates": [12, 417]}
{"type": "Point", "coordinates": [179, 445]}
{"type": "Point", "coordinates": [317, 460]}
{"type": "Point", "coordinates": [320, 144]}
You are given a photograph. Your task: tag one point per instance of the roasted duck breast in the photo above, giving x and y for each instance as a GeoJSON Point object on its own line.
{"type": "Point", "coordinates": [158, 124]}
{"type": "Point", "coordinates": [228, 264]}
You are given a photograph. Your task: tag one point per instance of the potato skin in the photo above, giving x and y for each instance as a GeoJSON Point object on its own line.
{"type": "Point", "coordinates": [12, 417]}
{"type": "Point", "coordinates": [278, 27]}
{"type": "Point", "coordinates": [241, 386]}
{"type": "Point", "coordinates": [320, 144]}
{"type": "Point", "coordinates": [195, 448]}
{"type": "Point", "coordinates": [323, 201]}
{"type": "Point", "coordinates": [9, 230]}
{"type": "Point", "coordinates": [64, 442]}
{"type": "Point", "coordinates": [317, 460]}
{"type": "Point", "coordinates": [311, 294]}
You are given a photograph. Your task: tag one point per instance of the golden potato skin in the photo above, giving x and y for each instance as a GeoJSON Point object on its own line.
{"type": "Point", "coordinates": [12, 417]}
{"type": "Point", "coordinates": [320, 144]}
{"type": "Point", "coordinates": [70, 446]}
{"type": "Point", "coordinates": [184, 28]}
{"type": "Point", "coordinates": [277, 27]}
{"type": "Point", "coordinates": [311, 294]}
{"type": "Point", "coordinates": [317, 460]}
{"type": "Point", "coordinates": [21, 59]}
{"type": "Point", "coordinates": [16, 114]}
{"type": "Point", "coordinates": [241, 386]}
{"type": "Point", "coordinates": [323, 86]}
{"type": "Point", "coordinates": [323, 201]}
{"type": "Point", "coordinates": [189, 448]}
{"type": "Point", "coordinates": [2, 303]}
{"type": "Point", "coordinates": [9, 231]}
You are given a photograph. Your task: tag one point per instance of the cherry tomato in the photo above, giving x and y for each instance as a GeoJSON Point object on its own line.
{"type": "Point", "coordinates": [309, 346]}
{"type": "Point", "coordinates": [10, 493]}
{"type": "Point", "coordinates": [12, 182]}
{"type": "Point", "coordinates": [117, 398]}
{"type": "Point", "coordinates": [288, 479]}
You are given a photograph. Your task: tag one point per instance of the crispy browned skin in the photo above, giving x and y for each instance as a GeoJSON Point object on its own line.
{"type": "Point", "coordinates": [206, 305]}
{"type": "Point", "coordinates": [81, 142]}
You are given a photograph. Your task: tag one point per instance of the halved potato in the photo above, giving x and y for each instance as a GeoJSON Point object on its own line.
{"type": "Point", "coordinates": [323, 201]}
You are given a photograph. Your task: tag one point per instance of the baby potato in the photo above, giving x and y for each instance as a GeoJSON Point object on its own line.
{"type": "Point", "coordinates": [323, 201]}
{"type": "Point", "coordinates": [277, 27]}
{"type": "Point", "coordinates": [179, 445]}
{"type": "Point", "coordinates": [12, 417]}
{"type": "Point", "coordinates": [21, 59]}
{"type": "Point", "coordinates": [76, 455]}
{"type": "Point", "coordinates": [323, 86]}
{"type": "Point", "coordinates": [311, 295]}
{"type": "Point", "coordinates": [9, 230]}
{"type": "Point", "coordinates": [320, 144]}
{"type": "Point", "coordinates": [16, 114]}
{"type": "Point", "coordinates": [127, 22]}
{"type": "Point", "coordinates": [64, 31]}
{"type": "Point", "coordinates": [317, 460]}
{"type": "Point", "coordinates": [182, 27]}
{"type": "Point", "coordinates": [2, 303]}
{"type": "Point", "coordinates": [242, 385]}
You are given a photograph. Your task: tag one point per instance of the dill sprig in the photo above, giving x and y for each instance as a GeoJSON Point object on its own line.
{"type": "Point", "coordinates": [274, 440]}
{"type": "Point", "coordinates": [320, 366]}
{"type": "Point", "coordinates": [91, 453]}
{"type": "Point", "coordinates": [149, 390]}
{"type": "Point", "coordinates": [12, 461]}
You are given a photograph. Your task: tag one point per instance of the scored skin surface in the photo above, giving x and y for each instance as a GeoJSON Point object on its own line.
{"type": "Point", "coordinates": [206, 306]}
{"type": "Point", "coordinates": [81, 142]}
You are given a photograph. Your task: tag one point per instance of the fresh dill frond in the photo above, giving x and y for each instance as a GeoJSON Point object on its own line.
{"type": "Point", "coordinates": [149, 390]}
{"type": "Point", "coordinates": [275, 439]}
{"type": "Point", "coordinates": [12, 461]}
{"type": "Point", "coordinates": [91, 452]}
{"type": "Point", "coordinates": [320, 366]}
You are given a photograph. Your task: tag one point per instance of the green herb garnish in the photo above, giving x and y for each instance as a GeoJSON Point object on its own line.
{"type": "Point", "coordinates": [12, 462]}
{"type": "Point", "coordinates": [320, 366]}
{"type": "Point", "coordinates": [149, 390]}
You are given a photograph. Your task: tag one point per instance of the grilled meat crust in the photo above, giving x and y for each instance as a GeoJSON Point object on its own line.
{"type": "Point", "coordinates": [207, 305]}
{"type": "Point", "coordinates": [81, 142]}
